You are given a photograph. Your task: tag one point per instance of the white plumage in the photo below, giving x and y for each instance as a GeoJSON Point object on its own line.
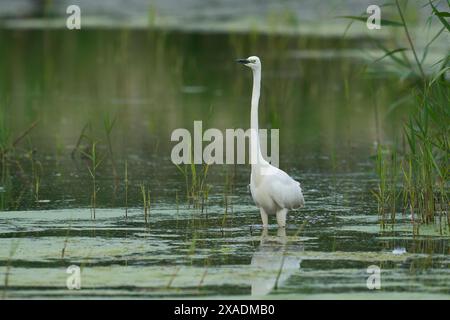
{"type": "Point", "coordinates": [272, 189]}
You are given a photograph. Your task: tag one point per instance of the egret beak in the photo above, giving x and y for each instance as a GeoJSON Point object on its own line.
{"type": "Point", "coordinates": [243, 61]}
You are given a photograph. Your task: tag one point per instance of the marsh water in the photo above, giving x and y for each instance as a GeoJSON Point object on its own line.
{"type": "Point", "coordinates": [58, 86]}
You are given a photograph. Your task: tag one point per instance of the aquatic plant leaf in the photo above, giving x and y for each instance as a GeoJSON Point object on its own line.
{"type": "Point", "coordinates": [443, 14]}
{"type": "Point", "coordinates": [438, 75]}
{"type": "Point", "coordinates": [390, 53]}
{"type": "Point", "coordinates": [382, 21]}
{"type": "Point", "coordinates": [440, 16]}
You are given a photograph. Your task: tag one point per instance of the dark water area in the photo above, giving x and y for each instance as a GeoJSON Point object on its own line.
{"type": "Point", "coordinates": [329, 114]}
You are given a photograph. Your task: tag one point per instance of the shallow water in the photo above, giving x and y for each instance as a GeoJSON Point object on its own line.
{"type": "Point", "coordinates": [330, 116]}
{"type": "Point", "coordinates": [325, 251]}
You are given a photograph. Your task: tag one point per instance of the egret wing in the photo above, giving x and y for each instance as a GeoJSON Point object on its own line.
{"type": "Point", "coordinates": [285, 191]}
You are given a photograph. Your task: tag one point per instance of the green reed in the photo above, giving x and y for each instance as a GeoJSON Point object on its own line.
{"type": "Point", "coordinates": [126, 183]}
{"type": "Point", "coordinates": [146, 200]}
{"type": "Point", "coordinates": [425, 163]}
{"type": "Point", "coordinates": [10, 157]}
{"type": "Point", "coordinates": [197, 189]}
{"type": "Point", "coordinates": [93, 163]}
{"type": "Point", "coordinates": [108, 125]}
{"type": "Point", "coordinates": [419, 173]}
{"type": "Point", "coordinates": [227, 192]}
{"type": "Point", "coordinates": [36, 173]}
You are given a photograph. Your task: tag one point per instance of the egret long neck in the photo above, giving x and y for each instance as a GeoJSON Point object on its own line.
{"type": "Point", "coordinates": [256, 156]}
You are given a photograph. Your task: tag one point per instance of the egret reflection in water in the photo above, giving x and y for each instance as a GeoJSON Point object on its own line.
{"type": "Point", "coordinates": [274, 262]}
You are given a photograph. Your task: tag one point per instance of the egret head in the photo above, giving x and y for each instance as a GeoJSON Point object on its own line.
{"type": "Point", "coordinates": [252, 62]}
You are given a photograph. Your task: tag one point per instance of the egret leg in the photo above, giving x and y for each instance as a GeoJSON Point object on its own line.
{"type": "Point", "coordinates": [281, 233]}
{"type": "Point", "coordinates": [264, 235]}
{"type": "Point", "coordinates": [264, 218]}
{"type": "Point", "coordinates": [281, 217]}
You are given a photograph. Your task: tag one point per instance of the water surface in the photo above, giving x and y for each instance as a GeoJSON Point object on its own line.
{"type": "Point", "coordinates": [331, 115]}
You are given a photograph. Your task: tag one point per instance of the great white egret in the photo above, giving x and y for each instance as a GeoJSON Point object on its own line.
{"type": "Point", "coordinates": [272, 189]}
